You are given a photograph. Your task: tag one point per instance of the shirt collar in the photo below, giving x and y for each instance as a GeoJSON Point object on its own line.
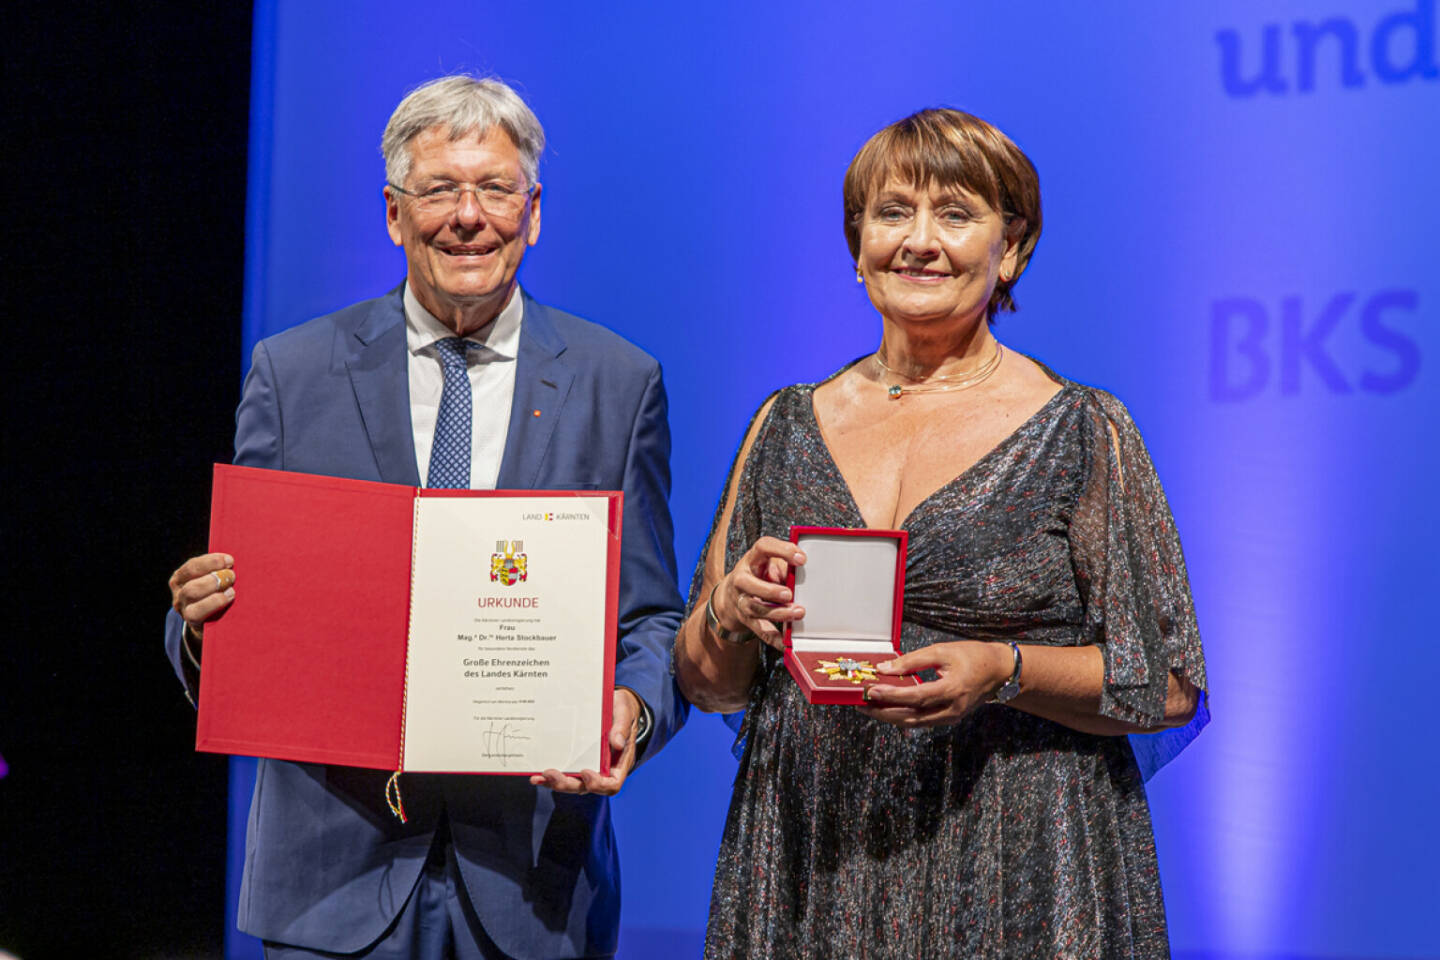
{"type": "Point", "coordinates": [500, 336]}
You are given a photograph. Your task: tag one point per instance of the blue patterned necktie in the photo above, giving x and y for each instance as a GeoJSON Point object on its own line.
{"type": "Point", "coordinates": [450, 451]}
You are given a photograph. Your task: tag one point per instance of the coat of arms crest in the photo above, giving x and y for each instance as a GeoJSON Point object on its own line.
{"type": "Point", "coordinates": [507, 563]}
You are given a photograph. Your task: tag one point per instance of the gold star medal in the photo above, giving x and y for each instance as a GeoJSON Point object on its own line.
{"type": "Point", "coordinates": [856, 671]}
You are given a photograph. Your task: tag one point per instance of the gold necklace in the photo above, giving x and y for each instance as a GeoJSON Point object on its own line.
{"type": "Point", "coordinates": [956, 382]}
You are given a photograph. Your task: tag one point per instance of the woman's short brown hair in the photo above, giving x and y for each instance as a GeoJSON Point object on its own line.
{"type": "Point", "coordinates": [950, 149]}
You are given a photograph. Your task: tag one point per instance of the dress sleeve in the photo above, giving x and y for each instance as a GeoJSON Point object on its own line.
{"type": "Point", "coordinates": [744, 524]}
{"type": "Point", "coordinates": [1131, 575]}
{"type": "Point", "coordinates": [742, 530]}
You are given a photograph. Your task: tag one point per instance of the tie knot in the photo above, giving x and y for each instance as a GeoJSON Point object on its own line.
{"type": "Point", "coordinates": [453, 349]}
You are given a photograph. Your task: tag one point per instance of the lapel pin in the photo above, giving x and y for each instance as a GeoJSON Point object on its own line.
{"type": "Point", "coordinates": [535, 413]}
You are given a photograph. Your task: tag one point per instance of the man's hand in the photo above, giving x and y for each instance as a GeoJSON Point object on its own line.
{"type": "Point", "coordinates": [202, 589]}
{"type": "Point", "coordinates": [622, 754]}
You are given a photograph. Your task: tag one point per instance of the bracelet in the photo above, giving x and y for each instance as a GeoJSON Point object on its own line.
{"type": "Point", "coordinates": [737, 637]}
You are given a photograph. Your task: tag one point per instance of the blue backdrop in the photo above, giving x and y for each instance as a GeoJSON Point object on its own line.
{"type": "Point", "coordinates": [1241, 242]}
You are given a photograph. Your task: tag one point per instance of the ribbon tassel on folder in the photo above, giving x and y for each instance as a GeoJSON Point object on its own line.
{"type": "Point", "coordinates": [392, 797]}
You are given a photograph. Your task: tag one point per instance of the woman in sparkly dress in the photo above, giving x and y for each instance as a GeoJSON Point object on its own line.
{"type": "Point", "coordinates": [998, 809]}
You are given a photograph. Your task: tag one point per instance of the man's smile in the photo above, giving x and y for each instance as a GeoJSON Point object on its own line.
{"type": "Point", "coordinates": [467, 250]}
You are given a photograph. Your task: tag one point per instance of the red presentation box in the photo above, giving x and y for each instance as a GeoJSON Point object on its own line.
{"type": "Point", "coordinates": [852, 587]}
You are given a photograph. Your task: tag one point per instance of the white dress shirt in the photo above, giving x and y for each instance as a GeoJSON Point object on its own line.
{"type": "Point", "coordinates": [492, 385]}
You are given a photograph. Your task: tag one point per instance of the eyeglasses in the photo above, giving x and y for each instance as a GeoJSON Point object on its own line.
{"type": "Point", "coordinates": [436, 198]}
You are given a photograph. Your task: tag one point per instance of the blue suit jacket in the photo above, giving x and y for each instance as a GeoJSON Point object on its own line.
{"type": "Point", "coordinates": [327, 866]}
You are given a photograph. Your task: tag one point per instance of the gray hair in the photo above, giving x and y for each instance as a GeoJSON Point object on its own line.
{"type": "Point", "coordinates": [466, 105]}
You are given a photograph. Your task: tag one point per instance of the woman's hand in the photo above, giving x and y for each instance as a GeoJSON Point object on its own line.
{"type": "Point", "coordinates": [753, 597]}
{"type": "Point", "coordinates": [970, 671]}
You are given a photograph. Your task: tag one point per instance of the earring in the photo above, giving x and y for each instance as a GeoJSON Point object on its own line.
{"type": "Point", "coordinates": [859, 277]}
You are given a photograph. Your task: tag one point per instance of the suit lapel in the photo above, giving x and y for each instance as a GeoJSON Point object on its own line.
{"type": "Point", "coordinates": [380, 375]}
{"type": "Point", "coordinates": [542, 382]}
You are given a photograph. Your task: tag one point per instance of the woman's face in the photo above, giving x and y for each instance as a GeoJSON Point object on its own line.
{"type": "Point", "coordinates": [932, 253]}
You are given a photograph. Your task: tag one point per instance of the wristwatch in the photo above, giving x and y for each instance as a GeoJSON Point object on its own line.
{"type": "Point", "coordinates": [1010, 688]}
{"type": "Point", "coordinates": [644, 722]}
{"type": "Point", "coordinates": [644, 726]}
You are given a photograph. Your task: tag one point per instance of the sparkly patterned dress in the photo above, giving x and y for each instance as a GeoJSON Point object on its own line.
{"type": "Point", "coordinates": [1005, 835]}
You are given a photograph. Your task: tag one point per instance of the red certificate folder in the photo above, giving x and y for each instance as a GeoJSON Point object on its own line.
{"type": "Point", "coordinates": [311, 661]}
{"type": "Point", "coordinates": [852, 587]}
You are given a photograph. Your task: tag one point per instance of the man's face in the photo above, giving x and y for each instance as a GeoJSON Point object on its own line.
{"type": "Point", "coordinates": [463, 260]}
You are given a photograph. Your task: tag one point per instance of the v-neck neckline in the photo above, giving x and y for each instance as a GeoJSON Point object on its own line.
{"type": "Point", "coordinates": [1005, 442]}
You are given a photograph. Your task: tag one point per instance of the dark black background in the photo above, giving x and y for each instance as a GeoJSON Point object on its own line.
{"type": "Point", "coordinates": [125, 138]}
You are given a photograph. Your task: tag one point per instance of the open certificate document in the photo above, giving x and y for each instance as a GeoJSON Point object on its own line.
{"type": "Point", "coordinates": [442, 631]}
{"type": "Point", "coordinates": [500, 676]}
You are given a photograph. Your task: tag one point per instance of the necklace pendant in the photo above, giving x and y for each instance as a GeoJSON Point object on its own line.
{"type": "Point", "coordinates": [895, 391]}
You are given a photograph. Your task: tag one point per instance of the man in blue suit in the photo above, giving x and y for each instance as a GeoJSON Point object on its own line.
{"type": "Point", "coordinates": [462, 378]}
